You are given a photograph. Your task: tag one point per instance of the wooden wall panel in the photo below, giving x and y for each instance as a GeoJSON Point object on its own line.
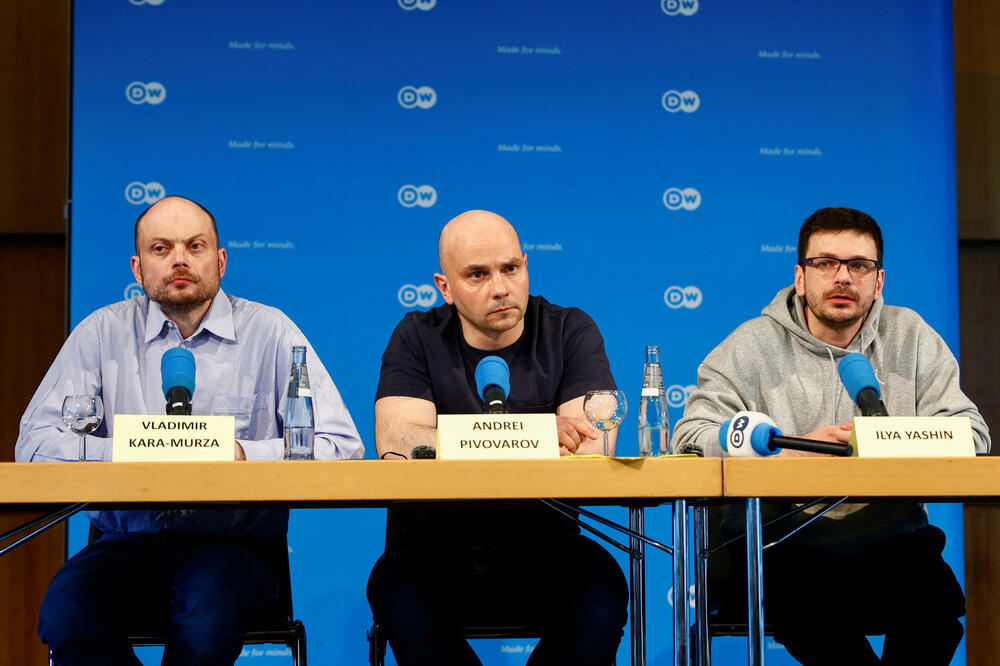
{"type": "Point", "coordinates": [34, 74]}
{"type": "Point", "coordinates": [34, 82]}
{"type": "Point", "coordinates": [977, 117]}
{"type": "Point", "coordinates": [977, 152]}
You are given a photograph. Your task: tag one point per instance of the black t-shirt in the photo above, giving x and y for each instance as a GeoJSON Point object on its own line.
{"type": "Point", "coordinates": [559, 356]}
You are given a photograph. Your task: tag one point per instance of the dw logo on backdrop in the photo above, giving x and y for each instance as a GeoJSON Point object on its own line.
{"type": "Point", "coordinates": [138, 92]}
{"type": "Point", "coordinates": [144, 193]}
{"type": "Point", "coordinates": [682, 297]}
{"type": "Point", "coordinates": [133, 289]}
{"type": "Point", "coordinates": [686, 101]}
{"type": "Point", "coordinates": [423, 97]}
{"type": "Point", "coordinates": [676, 198]}
{"type": "Point", "coordinates": [424, 196]}
{"type": "Point", "coordinates": [671, 7]}
{"type": "Point", "coordinates": [152, 3]}
{"type": "Point", "coordinates": [422, 5]}
{"type": "Point", "coordinates": [411, 295]}
{"type": "Point", "coordinates": [677, 395]}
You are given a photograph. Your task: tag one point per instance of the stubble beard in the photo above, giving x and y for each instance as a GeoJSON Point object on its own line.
{"type": "Point", "coordinates": [173, 301]}
{"type": "Point", "coordinates": [835, 317]}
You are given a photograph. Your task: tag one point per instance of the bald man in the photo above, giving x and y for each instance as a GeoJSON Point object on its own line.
{"type": "Point", "coordinates": [204, 576]}
{"type": "Point", "coordinates": [509, 564]}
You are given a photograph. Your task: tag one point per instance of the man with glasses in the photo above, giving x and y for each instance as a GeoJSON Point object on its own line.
{"type": "Point", "coordinates": [861, 568]}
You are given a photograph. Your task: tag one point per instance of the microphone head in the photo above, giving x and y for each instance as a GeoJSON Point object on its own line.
{"type": "Point", "coordinates": [177, 370]}
{"type": "Point", "coordinates": [857, 374]}
{"type": "Point", "coordinates": [492, 371]}
{"type": "Point", "coordinates": [748, 435]}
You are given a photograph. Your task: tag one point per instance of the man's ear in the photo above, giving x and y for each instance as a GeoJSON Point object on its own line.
{"type": "Point", "coordinates": [137, 269]}
{"type": "Point", "coordinates": [441, 281]}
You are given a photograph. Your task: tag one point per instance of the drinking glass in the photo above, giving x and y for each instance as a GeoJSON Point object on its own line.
{"type": "Point", "coordinates": [605, 410]}
{"type": "Point", "coordinates": [82, 414]}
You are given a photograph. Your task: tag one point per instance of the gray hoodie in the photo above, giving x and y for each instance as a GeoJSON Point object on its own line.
{"type": "Point", "coordinates": [773, 365]}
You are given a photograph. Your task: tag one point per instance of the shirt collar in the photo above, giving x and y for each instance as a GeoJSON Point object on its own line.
{"type": "Point", "coordinates": [218, 320]}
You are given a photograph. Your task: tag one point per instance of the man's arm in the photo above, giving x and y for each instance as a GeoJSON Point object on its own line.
{"type": "Point", "coordinates": [43, 437]}
{"type": "Point", "coordinates": [938, 390]}
{"type": "Point", "coordinates": [402, 423]}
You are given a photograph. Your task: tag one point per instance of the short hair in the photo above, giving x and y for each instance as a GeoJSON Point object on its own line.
{"type": "Point", "coordinates": [215, 228]}
{"type": "Point", "coordinates": [839, 219]}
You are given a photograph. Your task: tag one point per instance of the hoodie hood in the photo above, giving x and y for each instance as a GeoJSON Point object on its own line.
{"type": "Point", "coordinates": [786, 310]}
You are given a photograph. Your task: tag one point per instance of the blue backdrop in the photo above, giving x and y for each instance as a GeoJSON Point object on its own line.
{"type": "Point", "coordinates": [656, 156]}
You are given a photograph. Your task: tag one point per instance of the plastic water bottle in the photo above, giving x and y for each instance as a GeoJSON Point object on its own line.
{"type": "Point", "coordinates": [299, 432]}
{"type": "Point", "coordinates": [654, 426]}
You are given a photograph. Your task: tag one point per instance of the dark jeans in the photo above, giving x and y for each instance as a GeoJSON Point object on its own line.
{"type": "Point", "coordinates": [202, 593]}
{"type": "Point", "coordinates": [569, 587]}
{"type": "Point", "coordinates": [822, 605]}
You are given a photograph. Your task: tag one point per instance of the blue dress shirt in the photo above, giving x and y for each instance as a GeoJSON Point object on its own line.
{"type": "Point", "coordinates": [243, 355]}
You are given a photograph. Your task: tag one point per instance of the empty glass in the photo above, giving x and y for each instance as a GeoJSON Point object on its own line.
{"type": "Point", "coordinates": [82, 414]}
{"type": "Point", "coordinates": [605, 410]}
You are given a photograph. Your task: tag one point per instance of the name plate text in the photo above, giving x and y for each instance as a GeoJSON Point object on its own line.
{"type": "Point", "coordinates": [145, 438]}
{"type": "Point", "coordinates": [912, 436]}
{"type": "Point", "coordinates": [497, 436]}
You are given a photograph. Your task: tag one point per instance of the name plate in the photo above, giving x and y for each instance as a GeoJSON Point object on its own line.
{"type": "Point", "coordinates": [497, 436]}
{"type": "Point", "coordinates": [144, 438]}
{"type": "Point", "coordinates": [912, 436]}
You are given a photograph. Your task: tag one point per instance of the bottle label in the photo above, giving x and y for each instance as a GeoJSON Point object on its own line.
{"type": "Point", "coordinates": [303, 392]}
{"type": "Point", "coordinates": [650, 391]}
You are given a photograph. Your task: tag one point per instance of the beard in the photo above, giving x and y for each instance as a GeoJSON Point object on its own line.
{"type": "Point", "coordinates": [176, 301]}
{"type": "Point", "coordinates": [508, 321]}
{"type": "Point", "coordinates": [839, 317]}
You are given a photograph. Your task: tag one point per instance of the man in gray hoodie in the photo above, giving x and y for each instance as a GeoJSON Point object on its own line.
{"type": "Point", "coordinates": [861, 568]}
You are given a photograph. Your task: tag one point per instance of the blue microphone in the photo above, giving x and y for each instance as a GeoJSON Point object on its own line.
{"type": "Point", "coordinates": [177, 371]}
{"type": "Point", "coordinates": [859, 379]}
{"type": "Point", "coordinates": [493, 384]}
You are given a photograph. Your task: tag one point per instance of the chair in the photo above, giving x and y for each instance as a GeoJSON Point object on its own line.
{"type": "Point", "coordinates": [281, 629]}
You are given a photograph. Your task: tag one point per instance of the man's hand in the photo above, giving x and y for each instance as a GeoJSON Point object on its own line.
{"type": "Point", "coordinates": [838, 434]}
{"type": "Point", "coordinates": [240, 454]}
{"type": "Point", "coordinates": [572, 432]}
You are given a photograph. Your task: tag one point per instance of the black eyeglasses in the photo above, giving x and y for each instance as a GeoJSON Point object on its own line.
{"type": "Point", "coordinates": [827, 266]}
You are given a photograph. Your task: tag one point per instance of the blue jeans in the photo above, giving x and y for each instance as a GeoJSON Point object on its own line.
{"type": "Point", "coordinates": [201, 593]}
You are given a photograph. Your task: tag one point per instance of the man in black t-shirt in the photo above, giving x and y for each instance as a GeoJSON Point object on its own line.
{"type": "Point", "coordinates": [481, 563]}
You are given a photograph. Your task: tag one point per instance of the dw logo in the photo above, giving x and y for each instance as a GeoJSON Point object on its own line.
{"type": "Point", "coordinates": [410, 97]}
{"type": "Point", "coordinates": [682, 297]}
{"type": "Point", "coordinates": [151, 3]}
{"type": "Point", "coordinates": [424, 196]}
{"type": "Point", "coordinates": [411, 295]}
{"type": "Point", "coordinates": [138, 92]}
{"type": "Point", "coordinates": [677, 395]}
{"type": "Point", "coordinates": [676, 198]}
{"type": "Point", "coordinates": [674, 7]}
{"type": "Point", "coordinates": [422, 5]}
{"type": "Point", "coordinates": [738, 433]}
{"type": "Point", "coordinates": [132, 290]}
{"type": "Point", "coordinates": [687, 101]}
{"type": "Point", "coordinates": [139, 193]}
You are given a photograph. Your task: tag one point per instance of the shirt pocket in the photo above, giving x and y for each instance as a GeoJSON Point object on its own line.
{"type": "Point", "coordinates": [252, 414]}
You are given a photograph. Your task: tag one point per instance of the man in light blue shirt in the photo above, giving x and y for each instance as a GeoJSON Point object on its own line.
{"type": "Point", "coordinates": [198, 572]}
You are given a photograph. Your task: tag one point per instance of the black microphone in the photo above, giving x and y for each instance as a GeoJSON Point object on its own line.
{"type": "Point", "coordinates": [423, 452]}
{"type": "Point", "coordinates": [177, 371]}
{"type": "Point", "coordinates": [859, 379]}
{"type": "Point", "coordinates": [493, 384]}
